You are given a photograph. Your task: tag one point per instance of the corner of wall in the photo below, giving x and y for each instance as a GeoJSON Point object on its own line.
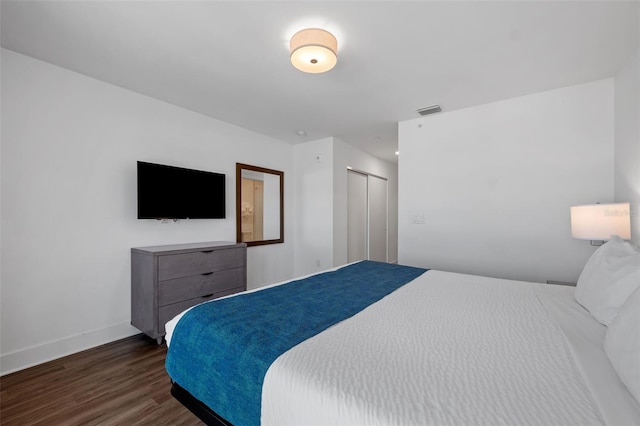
{"type": "Point", "coordinates": [313, 206]}
{"type": "Point", "coordinates": [49, 351]}
{"type": "Point", "coordinates": [627, 140]}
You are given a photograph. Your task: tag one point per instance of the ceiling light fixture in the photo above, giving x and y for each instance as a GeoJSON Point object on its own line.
{"type": "Point", "coordinates": [313, 50]}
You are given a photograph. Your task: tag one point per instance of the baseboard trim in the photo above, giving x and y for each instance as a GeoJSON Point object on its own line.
{"type": "Point", "coordinates": [35, 355]}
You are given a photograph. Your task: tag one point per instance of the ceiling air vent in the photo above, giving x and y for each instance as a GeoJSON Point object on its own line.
{"type": "Point", "coordinates": [429, 110]}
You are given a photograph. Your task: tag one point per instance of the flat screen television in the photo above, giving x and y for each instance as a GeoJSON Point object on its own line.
{"type": "Point", "coordinates": [168, 192]}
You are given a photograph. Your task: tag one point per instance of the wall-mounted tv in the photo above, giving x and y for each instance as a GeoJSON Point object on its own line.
{"type": "Point", "coordinates": [168, 192]}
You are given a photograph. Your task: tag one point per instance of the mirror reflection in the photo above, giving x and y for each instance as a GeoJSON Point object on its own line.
{"type": "Point", "coordinates": [259, 205]}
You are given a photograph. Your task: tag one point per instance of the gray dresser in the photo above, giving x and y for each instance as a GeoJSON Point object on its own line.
{"type": "Point", "coordinates": [166, 280]}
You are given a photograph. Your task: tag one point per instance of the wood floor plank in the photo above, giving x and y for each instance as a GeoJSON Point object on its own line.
{"type": "Point", "coordinates": [121, 383]}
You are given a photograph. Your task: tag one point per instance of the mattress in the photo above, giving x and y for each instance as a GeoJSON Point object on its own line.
{"type": "Point", "coordinates": [452, 349]}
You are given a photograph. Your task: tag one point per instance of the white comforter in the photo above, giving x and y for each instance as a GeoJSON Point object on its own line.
{"type": "Point", "coordinates": [444, 349]}
{"type": "Point", "coordinates": [453, 349]}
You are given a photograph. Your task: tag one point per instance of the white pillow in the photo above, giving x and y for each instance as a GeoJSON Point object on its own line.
{"type": "Point", "coordinates": [622, 344]}
{"type": "Point", "coordinates": [609, 277]}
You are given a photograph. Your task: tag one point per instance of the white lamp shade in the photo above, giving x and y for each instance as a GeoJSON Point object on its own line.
{"type": "Point", "coordinates": [313, 50]}
{"type": "Point", "coordinates": [600, 221]}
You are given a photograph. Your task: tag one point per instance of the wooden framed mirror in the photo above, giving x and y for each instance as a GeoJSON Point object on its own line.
{"type": "Point", "coordinates": [259, 205]}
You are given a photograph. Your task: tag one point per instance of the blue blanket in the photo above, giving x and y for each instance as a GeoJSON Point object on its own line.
{"type": "Point", "coordinates": [220, 351]}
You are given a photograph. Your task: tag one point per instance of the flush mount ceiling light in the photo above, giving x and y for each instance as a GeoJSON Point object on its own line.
{"type": "Point", "coordinates": [313, 50]}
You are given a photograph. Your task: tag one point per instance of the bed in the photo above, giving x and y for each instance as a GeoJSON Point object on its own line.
{"type": "Point", "coordinates": [438, 348]}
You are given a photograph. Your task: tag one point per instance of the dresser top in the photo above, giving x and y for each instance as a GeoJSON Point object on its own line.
{"type": "Point", "coordinates": [174, 248]}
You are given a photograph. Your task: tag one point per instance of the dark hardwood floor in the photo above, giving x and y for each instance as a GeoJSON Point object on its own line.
{"type": "Point", "coordinates": [120, 383]}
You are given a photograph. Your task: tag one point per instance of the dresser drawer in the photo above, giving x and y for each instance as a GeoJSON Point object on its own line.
{"type": "Point", "coordinates": [179, 289]}
{"type": "Point", "coordinates": [165, 313]}
{"type": "Point", "coordinates": [168, 279]}
{"type": "Point", "coordinates": [199, 262]}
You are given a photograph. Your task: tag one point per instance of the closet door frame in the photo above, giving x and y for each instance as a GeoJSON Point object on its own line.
{"type": "Point", "coordinates": [368, 215]}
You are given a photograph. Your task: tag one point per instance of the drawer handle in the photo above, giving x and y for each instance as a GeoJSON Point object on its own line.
{"type": "Point", "coordinates": [207, 251]}
{"type": "Point", "coordinates": [206, 295]}
{"type": "Point", "coordinates": [207, 273]}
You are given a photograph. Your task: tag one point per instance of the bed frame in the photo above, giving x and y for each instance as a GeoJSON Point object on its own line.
{"type": "Point", "coordinates": [197, 407]}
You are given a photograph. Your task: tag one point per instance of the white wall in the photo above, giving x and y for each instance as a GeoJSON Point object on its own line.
{"type": "Point", "coordinates": [494, 183]}
{"type": "Point", "coordinates": [69, 151]}
{"type": "Point", "coordinates": [320, 194]}
{"type": "Point", "coordinates": [344, 156]}
{"type": "Point", "coordinates": [627, 140]}
{"type": "Point", "coordinates": [313, 206]}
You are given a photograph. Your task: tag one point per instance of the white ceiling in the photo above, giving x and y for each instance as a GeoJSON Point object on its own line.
{"type": "Point", "coordinates": [230, 60]}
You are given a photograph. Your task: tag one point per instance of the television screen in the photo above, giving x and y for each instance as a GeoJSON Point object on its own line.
{"type": "Point", "coordinates": [178, 193]}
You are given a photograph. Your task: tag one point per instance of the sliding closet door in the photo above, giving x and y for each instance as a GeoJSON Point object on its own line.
{"type": "Point", "coordinates": [377, 218]}
{"type": "Point", "coordinates": [356, 216]}
{"type": "Point", "coordinates": [366, 217]}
